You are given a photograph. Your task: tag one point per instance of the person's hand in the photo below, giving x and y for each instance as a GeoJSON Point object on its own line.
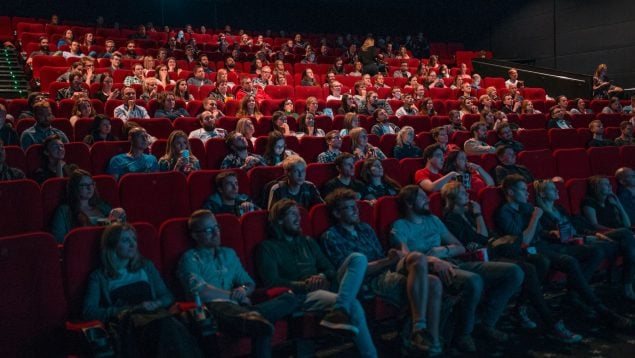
{"type": "Point", "coordinates": [395, 255]}
{"type": "Point", "coordinates": [238, 294]}
{"type": "Point", "coordinates": [601, 236]}
{"type": "Point", "coordinates": [612, 199]}
{"type": "Point", "coordinates": [131, 104]}
{"type": "Point", "coordinates": [316, 282]}
{"type": "Point", "coordinates": [117, 214]}
{"type": "Point", "coordinates": [472, 246]}
{"type": "Point", "coordinates": [149, 305]}
{"type": "Point", "coordinates": [473, 166]}
{"type": "Point", "coordinates": [475, 207]}
{"type": "Point", "coordinates": [537, 212]}
{"type": "Point", "coordinates": [247, 206]}
{"type": "Point", "coordinates": [444, 270]}
{"type": "Point", "coordinates": [453, 175]}
{"type": "Point", "coordinates": [555, 234]}
{"type": "Point", "coordinates": [114, 94]}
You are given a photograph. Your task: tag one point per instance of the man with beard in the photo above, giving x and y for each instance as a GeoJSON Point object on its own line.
{"type": "Point", "coordinates": [204, 61]}
{"type": "Point", "coordinates": [291, 259]}
{"type": "Point", "coordinates": [42, 127]}
{"type": "Point", "coordinates": [75, 90]}
{"type": "Point", "coordinates": [208, 128]}
{"type": "Point", "coordinates": [477, 144]}
{"type": "Point", "coordinates": [227, 199]}
{"type": "Point", "coordinates": [130, 51]}
{"type": "Point", "coordinates": [43, 50]}
{"type": "Point", "coordinates": [420, 231]}
{"type": "Point", "coordinates": [398, 277]}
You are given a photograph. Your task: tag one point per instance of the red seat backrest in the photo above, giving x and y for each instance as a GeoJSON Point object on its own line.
{"type": "Point", "coordinates": [386, 211]}
{"type": "Point", "coordinates": [533, 121]}
{"type": "Point", "coordinates": [564, 138]}
{"type": "Point", "coordinates": [418, 123]}
{"type": "Point", "coordinates": [259, 177]}
{"type": "Point", "coordinates": [576, 190]}
{"type": "Point", "coordinates": [534, 139]}
{"type": "Point", "coordinates": [540, 163]}
{"type": "Point", "coordinates": [604, 160]}
{"type": "Point", "coordinates": [572, 163]}
{"type": "Point", "coordinates": [102, 152]}
{"type": "Point", "coordinates": [320, 173]}
{"type": "Point", "coordinates": [491, 199]}
{"type": "Point", "coordinates": [21, 209]}
{"type": "Point", "coordinates": [15, 157]}
{"type": "Point", "coordinates": [311, 147]}
{"type": "Point", "coordinates": [627, 156]}
{"type": "Point", "coordinates": [215, 150]}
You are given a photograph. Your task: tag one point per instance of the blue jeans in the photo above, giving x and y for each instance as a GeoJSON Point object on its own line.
{"type": "Point", "coordinates": [350, 275]}
{"type": "Point", "coordinates": [500, 281]}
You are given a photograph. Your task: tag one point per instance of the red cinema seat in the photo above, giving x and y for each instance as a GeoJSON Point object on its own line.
{"type": "Point", "coordinates": [304, 92]}
{"type": "Point", "coordinates": [576, 190]}
{"type": "Point", "coordinates": [441, 93]}
{"type": "Point", "coordinates": [564, 138]}
{"type": "Point", "coordinates": [424, 139]}
{"type": "Point", "coordinates": [418, 123]}
{"type": "Point", "coordinates": [21, 209]}
{"type": "Point", "coordinates": [491, 198]}
{"type": "Point", "coordinates": [280, 92]}
{"type": "Point", "coordinates": [533, 121]}
{"type": "Point", "coordinates": [534, 94]}
{"type": "Point", "coordinates": [215, 150]}
{"type": "Point", "coordinates": [269, 106]}
{"type": "Point", "coordinates": [386, 212]}
{"type": "Point", "coordinates": [459, 138]}
{"type": "Point", "coordinates": [387, 144]}
{"type": "Point", "coordinates": [102, 152]}
{"type": "Point", "coordinates": [627, 156]}
{"type": "Point", "coordinates": [186, 124]}
{"type": "Point", "coordinates": [15, 157]}
{"type": "Point", "coordinates": [53, 193]}
{"type": "Point", "coordinates": [469, 119]}
{"type": "Point", "coordinates": [154, 197]}
{"type": "Point", "coordinates": [158, 147]}
{"type": "Point", "coordinates": [320, 173]}
{"type": "Point", "coordinates": [201, 184]}
{"type": "Point", "coordinates": [311, 147]}
{"type": "Point", "coordinates": [612, 119]}
{"type": "Point", "coordinates": [75, 153]}
{"type": "Point", "coordinates": [534, 139]}
{"type": "Point", "coordinates": [157, 127]}
{"type": "Point", "coordinates": [497, 82]}
{"type": "Point", "coordinates": [408, 167]}
{"type": "Point", "coordinates": [572, 163]}
{"type": "Point", "coordinates": [540, 163]}
{"type": "Point", "coordinates": [33, 307]}
{"type": "Point", "coordinates": [582, 120]}
{"type": "Point", "coordinates": [259, 177]}
{"type": "Point", "coordinates": [604, 160]}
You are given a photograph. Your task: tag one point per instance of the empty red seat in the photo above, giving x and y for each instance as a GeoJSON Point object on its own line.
{"type": "Point", "coordinates": [320, 173]}
{"type": "Point", "coordinates": [387, 143]}
{"type": "Point", "coordinates": [157, 127]}
{"type": "Point", "coordinates": [534, 94]}
{"type": "Point", "coordinates": [612, 119]}
{"type": "Point", "coordinates": [564, 138]}
{"type": "Point", "coordinates": [215, 150]}
{"type": "Point", "coordinates": [419, 123]}
{"type": "Point", "coordinates": [259, 177]}
{"type": "Point", "coordinates": [440, 93]}
{"type": "Point", "coordinates": [534, 138]}
{"type": "Point", "coordinates": [604, 160]}
{"type": "Point", "coordinates": [582, 120]}
{"type": "Point", "coordinates": [540, 163]}
{"type": "Point", "coordinates": [533, 121]}
{"type": "Point", "coordinates": [491, 198]}
{"type": "Point", "coordinates": [311, 147]}
{"type": "Point", "coordinates": [572, 163]}
{"type": "Point", "coordinates": [33, 307]}
{"type": "Point", "coordinates": [627, 156]}
{"type": "Point", "coordinates": [154, 197]}
{"type": "Point", "coordinates": [386, 211]}
{"type": "Point", "coordinates": [280, 92]}
{"type": "Point", "coordinates": [21, 209]}
{"type": "Point", "coordinates": [576, 190]}
{"type": "Point", "coordinates": [15, 157]}
{"type": "Point", "coordinates": [304, 92]}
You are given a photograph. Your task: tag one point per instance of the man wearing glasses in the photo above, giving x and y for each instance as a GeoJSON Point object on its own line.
{"type": "Point", "coordinates": [265, 78]}
{"type": "Point", "coordinates": [129, 109]}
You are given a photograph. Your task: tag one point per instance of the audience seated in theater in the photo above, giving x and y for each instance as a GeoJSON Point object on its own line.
{"type": "Point", "coordinates": [413, 82]}
{"type": "Point", "coordinates": [115, 62]}
{"type": "Point", "coordinates": [307, 126]}
{"type": "Point", "coordinates": [208, 129]}
{"type": "Point", "coordinates": [517, 217]}
{"type": "Point", "coordinates": [614, 106]}
{"type": "Point", "coordinates": [467, 106]}
{"type": "Point", "coordinates": [227, 199]}
{"type": "Point", "coordinates": [476, 81]}
{"type": "Point", "coordinates": [178, 155]}
{"type": "Point", "coordinates": [395, 93]}
{"type": "Point", "coordinates": [43, 50]}
{"type": "Point", "coordinates": [507, 165]}
{"type": "Point", "coordinates": [239, 156]}
{"type": "Point", "coordinates": [597, 130]}
{"type": "Point", "coordinates": [420, 231]}
{"type": "Point", "coordinates": [181, 91]}
{"type": "Point", "coordinates": [276, 149]}
{"type": "Point", "coordinates": [376, 182]}
{"type": "Point", "coordinates": [246, 127]}
{"type": "Point", "coordinates": [42, 128]}
{"type": "Point", "coordinates": [129, 108]}
{"type": "Point", "coordinates": [526, 107]}
{"type": "Point", "coordinates": [336, 91]}
{"type": "Point", "coordinates": [82, 109]}
{"type": "Point", "coordinates": [510, 106]}
{"type": "Point", "coordinates": [345, 165]}
{"type": "Point", "coordinates": [513, 79]}
{"type": "Point", "coordinates": [100, 130]}
{"type": "Point", "coordinates": [357, 69]}
{"type": "Point", "coordinates": [360, 146]}
{"type": "Point", "coordinates": [379, 81]}
{"type": "Point", "coordinates": [150, 90]}
{"type": "Point", "coordinates": [626, 190]}
{"type": "Point", "coordinates": [333, 143]}
{"type": "Point", "coordinates": [198, 79]}
{"type": "Point", "coordinates": [372, 103]}
{"type": "Point", "coordinates": [408, 108]}
{"type": "Point", "coordinates": [563, 102]}
{"type": "Point", "coordinates": [279, 123]}
{"type": "Point", "coordinates": [166, 107]}
{"type": "Point", "coordinates": [8, 135]}
{"type": "Point", "coordinates": [382, 124]}
{"type": "Point", "coordinates": [405, 146]}
{"type": "Point", "coordinates": [312, 106]}
{"type": "Point", "coordinates": [557, 119]}
{"type": "Point", "coordinates": [430, 178]}
{"type": "Point", "coordinates": [433, 81]}
{"type": "Point", "coordinates": [600, 244]}
{"type": "Point", "coordinates": [135, 161]}
{"type": "Point", "coordinates": [7, 172]}
{"type": "Point", "coordinates": [464, 219]}
{"type": "Point", "coordinates": [128, 282]}
{"type": "Point", "coordinates": [602, 208]}
{"type": "Point", "coordinates": [106, 90]}
{"type": "Point", "coordinates": [485, 103]}
{"type": "Point", "coordinates": [265, 78]}
{"type": "Point", "coordinates": [222, 92]}
{"type": "Point", "coordinates": [477, 145]}
{"type": "Point", "coordinates": [248, 89]}
{"type": "Point", "coordinates": [138, 76]}
{"type": "Point", "coordinates": [294, 186]}
{"type": "Point", "coordinates": [493, 94]}
{"type": "Point", "coordinates": [629, 108]}
{"type": "Point", "coordinates": [456, 124]}
{"type": "Point", "coordinates": [399, 277]}
{"type": "Point", "coordinates": [82, 207]}
{"type": "Point", "coordinates": [308, 78]}
{"type": "Point", "coordinates": [506, 137]}
{"type": "Point", "coordinates": [131, 52]}
{"type": "Point", "coordinates": [74, 51]}
{"type": "Point", "coordinates": [472, 176]}
{"type": "Point", "coordinates": [289, 258]}
{"type": "Point", "coordinates": [349, 105]}
{"type": "Point", "coordinates": [440, 136]}
{"type": "Point", "coordinates": [249, 108]}
{"type": "Point", "coordinates": [579, 107]}
{"type": "Point", "coordinates": [489, 118]}
{"type": "Point", "coordinates": [75, 90]}
{"type": "Point", "coordinates": [52, 161]}
{"type": "Point", "coordinates": [77, 66]}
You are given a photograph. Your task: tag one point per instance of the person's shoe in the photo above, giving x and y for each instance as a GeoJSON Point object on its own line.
{"type": "Point", "coordinates": [338, 321]}
{"type": "Point", "coordinates": [465, 344]}
{"type": "Point", "coordinates": [491, 334]}
{"type": "Point", "coordinates": [420, 341]}
{"type": "Point", "coordinates": [522, 315]}
{"type": "Point", "coordinates": [253, 322]}
{"type": "Point", "coordinates": [614, 320]}
{"type": "Point", "coordinates": [561, 333]}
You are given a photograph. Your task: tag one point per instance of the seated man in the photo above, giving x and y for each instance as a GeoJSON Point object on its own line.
{"type": "Point", "coordinates": [626, 136]}
{"type": "Point", "coordinates": [507, 165]}
{"type": "Point", "coordinates": [129, 108]}
{"type": "Point", "coordinates": [345, 165]}
{"type": "Point", "coordinates": [597, 129]}
{"type": "Point", "coordinates": [42, 127]}
{"type": "Point", "coordinates": [75, 90]}
{"type": "Point", "coordinates": [408, 108]}
{"type": "Point", "coordinates": [137, 78]}
{"type": "Point", "coordinates": [150, 90]}
{"type": "Point", "coordinates": [208, 128]}
{"type": "Point", "coordinates": [7, 172]}
{"type": "Point", "coordinates": [199, 78]}
{"type": "Point", "coordinates": [399, 278]}
{"type": "Point", "coordinates": [430, 178]}
{"type": "Point", "coordinates": [334, 143]}
{"type": "Point", "coordinates": [402, 71]}
{"type": "Point", "coordinates": [239, 156]}
{"type": "Point", "coordinates": [383, 125]}
{"type": "Point", "coordinates": [214, 274]}
{"type": "Point", "coordinates": [517, 217]}
{"type": "Point", "coordinates": [626, 191]}
{"type": "Point", "coordinates": [135, 161]}
{"type": "Point", "coordinates": [629, 109]}
{"type": "Point", "coordinates": [506, 136]}
{"type": "Point", "coordinates": [265, 79]}
{"type": "Point", "coordinates": [227, 199]}
{"type": "Point", "coordinates": [476, 144]}
{"type": "Point", "coordinates": [420, 231]}
{"type": "Point", "coordinates": [290, 259]}
{"type": "Point", "coordinates": [454, 117]}
{"type": "Point", "coordinates": [294, 186]}
{"type": "Point", "coordinates": [557, 119]}
{"type": "Point", "coordinates": [247, 88]}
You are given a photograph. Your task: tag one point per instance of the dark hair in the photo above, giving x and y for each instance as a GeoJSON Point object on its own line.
{"type": "Point", "coordinates": [45, 144]}
{"type": "Point", "coordinates": [511, 180]}
{"type": "Point", "coordinates": [338, 195]}
{"type": "Point", "coordinates": [500, 150]}
{"type": "Point", "coordinates": [78, 218]}
{"type": "Point", "coordinates": [109, 241]}
{"type": "Point", "coordinates": [449, 164]}
{"type": "Point", "coordinates": [278, 210]}
{"type": "Point", "coordinates": [269, 154]}
{"type": "Point", "coordinates": [428, 153]}
{"type": "Point", "coordinates": [407, 196]}
{"type": "Point", "coordinates": [220, 178]}
{"type": "Point", "coordinates": [475, 126]}
{"type": "Point", "coordinates": [341, 158]}
{"type": "Point", "coordinates": [94, 127]}
{"type": "Point", "coordinates": [364, 174]}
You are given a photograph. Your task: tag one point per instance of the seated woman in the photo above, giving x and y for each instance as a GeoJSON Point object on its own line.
{"type": "Point", "coordinates": [106, 91]}
{"type": "Point", "coordinates": [53, 164]}
{"type": "Point", "coordinates": [306, 126]}
{"type": "Point", "coordinates": [288, 108]}
{"type": "Point", "coordinates": [173, 67]}
{"type": "Point", "coordinates": [83, 207]}
{"type": "Point", "coordinates": [128, 284]}
{"type": "Point", "coordinates": [245, 127]}
{"type": "Point", "coordinates": [100, 130]}
{"type": "Point", "coordinates": [614, 106]}
{"type": "Point", "coordinates": [406, 148]}
{"type": "Point", "coordinates": [166, 108]}
{"type": "Point", "coordinates": [427, 108]}
{"type": "Point", "coordinates": [607, 219]}
{"type": "Point", "coordinates": [135, 161]}
{"type": "Point", "coordinates": [163, 76]}
{"type": "Point", "coordinates": [181, 91]}
{"type": "Point", "coordinates": [279, 123]}
{"type": "Point", "coordinates": [463, 218]}
{"type": "Point", "coordinates": [361, 148]}
{"type": "Point", "coordinates": [348, 105]}
{"type": "Point", "coordinates": [178, 156]}
{"type": "Point", "coordinates": [467, 107]}
{"type": "Point", "coordinates": [377, 183]}
{"type": "Point", "coordinates": [579, 107]}
{"type": "Point", "coordinates": [249, 108]}
{"type": "Point", "coordinates": [473, 176]}
{"type": "Point", "coordinates": [308, 78]}
{"type": "Point", "coordinates": [526, 107]}
{"type": "Point", "coordinates": [276, 149]}
{"type": "Point", "coordinates": [222, 92]}
{"type": "Point", "coordinates": [82, 109]}
{"type": "Point", "coordinates": [557, 119]}
{"type": "Point", "coordinates": [351, 120]}
{"type": "Point", "coordinates": [489, 118]}
{"type": "Point", "coordinates": [440, 136]}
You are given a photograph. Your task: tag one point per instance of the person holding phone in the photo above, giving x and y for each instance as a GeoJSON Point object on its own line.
{"type": "Point", "coordinates": [177, 155]}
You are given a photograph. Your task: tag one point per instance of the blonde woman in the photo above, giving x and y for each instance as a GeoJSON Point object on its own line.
{"type": "Point", "coordinates": [178, 155]}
